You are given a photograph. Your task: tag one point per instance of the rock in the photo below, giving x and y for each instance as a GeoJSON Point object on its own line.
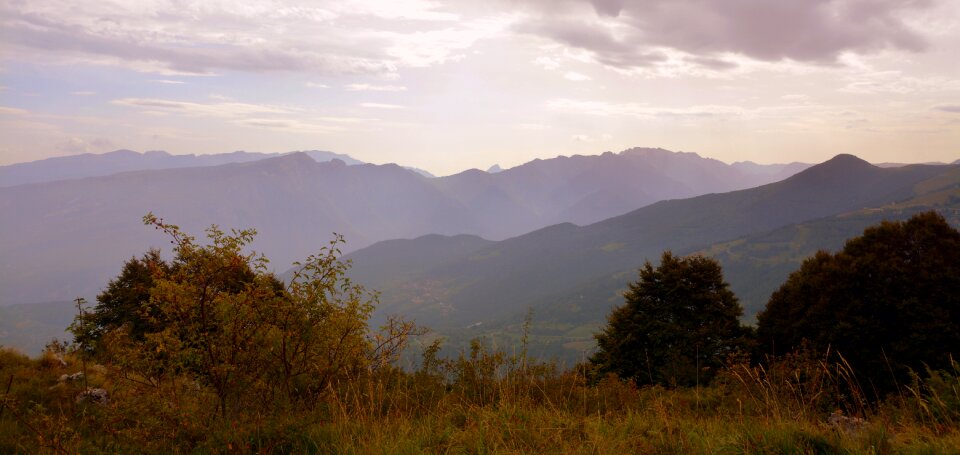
{"type": "Point", "coordinates": [844, 424]}
{"type": "Point", "coordinates": [71, 377]}
{"type": "Point", "coordinates": [95, 395]}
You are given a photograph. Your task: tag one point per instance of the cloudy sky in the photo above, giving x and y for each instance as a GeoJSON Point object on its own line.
{"type": "Point", "coordinates": [450, 85]}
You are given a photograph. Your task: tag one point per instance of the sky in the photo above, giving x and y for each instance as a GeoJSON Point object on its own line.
{"type": "Point", "coordinates": [451, 85]}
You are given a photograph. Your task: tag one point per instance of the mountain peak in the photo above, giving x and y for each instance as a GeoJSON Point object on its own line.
{"type": "Point", "coordinates": [118, 152]}
{"type": "Point", "coordinates": [291, 160]}
{"type": "Point", "coordinates": [838, 169]}
{"type": "Point", "coordinates": [656, 152]}
{"type": "Point", "coordinates": [846, 159]}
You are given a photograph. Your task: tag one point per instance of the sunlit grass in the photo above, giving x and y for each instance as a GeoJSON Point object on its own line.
{"type": "Point", "coordinates": [488, 402]}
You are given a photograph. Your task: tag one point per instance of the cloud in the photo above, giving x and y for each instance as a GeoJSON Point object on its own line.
{"type": "Point", "coordinates": [193, 37]}
{"type": "Point", "coordinates": [949, 108]}
{"type": "Point", "coordinates": [374, 88]}
{"type": "Point", "coordinates": [422, 48]}
{"type": "Point", "coordinates": [577, 77]}
{"type": "Point", "coordinates": [533, 126]}
{"type": "Point", "coordinates": [587, 138]}
{"type": "Point", "coordinates": [290, 125]}
{"type": "Point", "coordinates": [270, 117]}
{"type": "Point", "coordinates": [605, 109]}
{"type": "Point", "coordinates": [220, 109]}
{"type": "Point", "coordinates": [420, 10]}
{"type": "Point", "coordinates": [83, 93]}
{"type": "Point", "coordinates": [77, 145]}
{"type": "Point", "coordinates": [629, 34]}
{"type": "Point", "coordinates": [165, 81]}
{"type": "Point", "coordinates": [381, 106]}
{"type": "Point", "coordinates": [713, 63]}
{"type": "Point", "coordinates": [316, 85]}
{"type": "Point", "coordinates": [547, 63]}
{"type": "Point", "coordinates": [4, 110]}
{"type": "Point", "coordinates": [873, 82]}
{"type": "Point", "coordinates": [206, 37]}
{"type": "Point", "coordinates": [596, 37]}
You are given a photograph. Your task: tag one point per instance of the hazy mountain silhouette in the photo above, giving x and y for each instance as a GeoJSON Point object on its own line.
{"type": "Point", "coordinates": [887, 164]}
{"type": "Point", "coordinates": [94, 165]}
{"type": "Point", "coordinates": [67, 238]}
{"type": "Point", "coordinates": [585, 189]}
{"type": "Point", "coordinates": [571, 268]}
{"type": "Point", "coordinates": [776, 172]}
{"type": "Point", "coordinates": [571, 275]}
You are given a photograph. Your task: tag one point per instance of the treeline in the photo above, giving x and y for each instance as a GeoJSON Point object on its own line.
{"type": "Point", "coordinates": [887, 305]}
{"type": "Point", "coordinates": [208, 352]}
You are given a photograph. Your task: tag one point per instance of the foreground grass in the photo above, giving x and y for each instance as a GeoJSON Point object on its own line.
{"type": "Point", "coordinates": [486, 403]}
{"type": "Point", "coordinates": [512, 429]}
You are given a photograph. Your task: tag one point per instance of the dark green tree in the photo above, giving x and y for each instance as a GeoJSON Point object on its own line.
{"type": "Point", "coordinates": [214, 321]}
{"type": "Point", "coordinates": [123, 302]}
{"type": "Point", "coordinates": [679, 323]}
{"type": "Point", "coordinates": [126, 300]}
{"type": "Point", "coordinates": [888, 302]}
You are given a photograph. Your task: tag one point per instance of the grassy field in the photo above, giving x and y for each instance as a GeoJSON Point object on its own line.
{"type": "Point", "coordinates": [485, 402]}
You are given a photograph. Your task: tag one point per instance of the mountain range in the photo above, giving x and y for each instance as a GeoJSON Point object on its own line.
{"type": "Point", "coordinates": [571, 275]}
{"type": "Point", "coordinates": [95, 165]}
{"type": "Point", "coordinates": [66, 238]}
{"type": "Point", "coordinates": [561, 236]}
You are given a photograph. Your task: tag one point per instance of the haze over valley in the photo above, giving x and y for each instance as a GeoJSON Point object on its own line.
{"type": "Point", "coordinates": [560, 236]}
{"type": "Point", "coordinates": [297, 203]}
{"type": "Point", "coordinates": [480, 226]}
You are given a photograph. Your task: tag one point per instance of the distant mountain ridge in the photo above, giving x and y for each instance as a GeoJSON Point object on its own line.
{"type": "Point", "coordinates": [567, 266]}
{"type": "Point", "coordinates": [96, 165]}
{"type": "Point", "coordinates": [462, 285]}
{"type": "Point", "coordinates": [76, 233]}
{"type": "Point", "coordinates": [585, 189]}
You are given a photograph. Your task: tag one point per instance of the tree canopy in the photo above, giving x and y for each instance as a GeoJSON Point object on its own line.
{"type": "Point", "coordinates": [122, 302]}
{"type": "Point", "coordinates": [215, 317]}
{"type": "Point", "coordinates": [679, 323]}
{"type": "Point", "coordinates": [888, 302]}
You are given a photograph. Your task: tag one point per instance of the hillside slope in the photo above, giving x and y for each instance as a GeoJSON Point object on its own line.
{"type": "Point", "coordinates": [67, 238]}
{"type": "Point", "coordinates": [575, 265]}
{"type": "Point", "coordinates": [96, 165]}
{"type": "Point", "coordinates": [432, 276]}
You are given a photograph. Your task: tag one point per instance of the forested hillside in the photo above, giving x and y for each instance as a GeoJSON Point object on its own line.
{"type": "Point", "coordinates": [75, 232]}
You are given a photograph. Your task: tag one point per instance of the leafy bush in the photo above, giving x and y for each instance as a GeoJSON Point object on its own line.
{"type": "Point", "coordinates": [677, 326]}
{"type": "Point", "coordinates": [888, 302]}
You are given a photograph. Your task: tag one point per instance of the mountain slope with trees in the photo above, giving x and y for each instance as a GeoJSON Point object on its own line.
{"type": "Point", "coordinates": [97, 165]}
{"type": "Point", "coordinates": [888, 301]}
{"type": "Point", "coordinates": [76, 232]}
{"type": "Point", "coordinates": [678, 326]}
{"type": "Point", "coordinates": [555, 263]}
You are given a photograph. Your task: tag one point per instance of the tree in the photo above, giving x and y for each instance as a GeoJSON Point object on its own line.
{"type": "Point", "coordinates": [122, 302]}
{"type": "Point", "coordinates": [888, 302]}
{"type": "Point", "coordinates": [679, 323]}
{"type": "Point", "coordinates": [217, 320]}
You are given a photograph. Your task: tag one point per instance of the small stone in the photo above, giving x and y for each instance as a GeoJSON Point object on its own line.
{"type": "Point", "coordinates": [71, 377]}
{"type": "Point", "coordinates": [94, 394]}
{"type": "Point", "coordinates": [844, 424]}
